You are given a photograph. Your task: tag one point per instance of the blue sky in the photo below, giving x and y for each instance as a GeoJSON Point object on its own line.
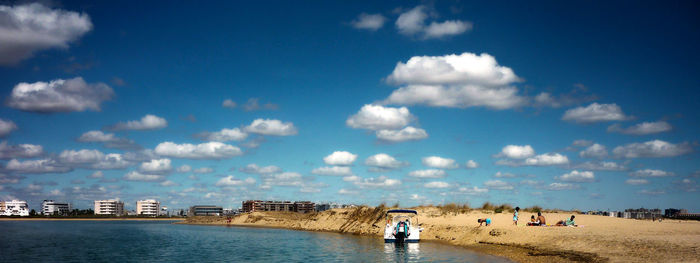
{"type": "Point", "coordinates": [577, 105]}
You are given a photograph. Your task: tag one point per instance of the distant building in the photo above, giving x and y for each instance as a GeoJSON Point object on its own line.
{"type": "Point", "coordinates": [642, 213]}
{"type": "Point", "coordinates": [14, 208]}
{"type": "Point", "coordinates": [51, 207]}
{"type": "Point", "coordinates": [205, 210]}
{"type": "Point", "coordinates": [163, 211]}
{"type": "Point", "coordinates": [278, 206]}
{"type": "Point", "coordinates": [252, 206]}
{"type": "Point", "coordinates": [109, 207]}
{"type": "Point", "coordinates": [148, 207]}
{"type": "Point", "coordinates": [304, 207]}
{"type": "Point", "coordinates": [323, 207]}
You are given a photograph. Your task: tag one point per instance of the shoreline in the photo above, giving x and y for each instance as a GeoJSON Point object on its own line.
{"type": "Point", "coordinates": [90, 219]}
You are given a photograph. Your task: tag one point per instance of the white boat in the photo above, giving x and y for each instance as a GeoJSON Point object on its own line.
{"type": "Point", "coordinates": [396, 216]}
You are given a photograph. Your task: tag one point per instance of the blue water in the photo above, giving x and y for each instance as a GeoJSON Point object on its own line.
{"type": "Point", "coordinates": [149, 241]}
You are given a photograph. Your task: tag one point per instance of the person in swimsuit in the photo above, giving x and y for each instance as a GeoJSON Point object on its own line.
{"type": "Point", "coordinates": [515, 215]}
{"type": "Point", "coordinates": [484, 220]}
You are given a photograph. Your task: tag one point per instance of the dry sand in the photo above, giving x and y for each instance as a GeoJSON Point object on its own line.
{"type": "Point", "coordinates": [601, 239]}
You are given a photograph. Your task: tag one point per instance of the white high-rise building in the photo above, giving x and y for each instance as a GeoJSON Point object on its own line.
{"type": "Point", "coordinates": [109, 207]}
{"type": "Point", "coordinates": [51, 207]}
{"type": "Point", "coordinates": [15, 208]}
{"type": "Point", "coordinates": [148, 207]}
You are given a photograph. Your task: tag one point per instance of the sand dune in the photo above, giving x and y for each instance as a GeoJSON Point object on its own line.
{"type": "Point", "coordinates": [601, 239]}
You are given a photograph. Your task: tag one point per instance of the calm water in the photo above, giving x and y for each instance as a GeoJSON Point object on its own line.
{"type": "Point", "coordinates": [147, 241]}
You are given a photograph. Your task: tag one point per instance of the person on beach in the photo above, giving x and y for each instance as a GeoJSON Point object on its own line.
{"type": "Point", "coordinates": [515, 215]}
{"type": "Point", "coordinates": [484, 220]}
{"type": "Point", "coordinates": [567, 222]}
{"type": "Point", "coordinates": [533, 221]}
{"type": "Point", "coordinates": [541, 219]}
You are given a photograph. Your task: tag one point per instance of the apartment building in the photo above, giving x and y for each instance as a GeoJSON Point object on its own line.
{"type": "Point", "coordinates": [278, 206]}
{"type": "Point", "coordinates": [205, 210]}
{"type": "Point", "coordinates": [148, 207]}
{"type": "Point", "coordinates": [51, 207]}
{"type": "Point", "coordinates": [15, 208]}
{"type": "Point", "coordinates": [109, 207]}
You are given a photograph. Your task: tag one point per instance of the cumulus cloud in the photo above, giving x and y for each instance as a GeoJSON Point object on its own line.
{"type": "Point", "coordinates": [455, 81]}
{"type": "Point", "coordinates": [271, 127]}
{"type": "Point", "coordinates": [439, 162]}
{"type": "Point", "coordinates": [371, 22]}
{"type": "Point", "coordinates": [6, 127]}
{"type": "Point", "coordinates": [93, 159]}
{"type": "Point", "coordinates": [156, 166]}
{"type": "Point", "coordinates": [230, 181]}
{"type": "Point", "coordinates": [209, 150]}
{"type": "Point", "coordinates": [651, 173]}
{"type": "Point", "coordinates": [436, 185]}
{"type": "Point", "coordinates": [643, 128]}
{"type": "Point", "coordinates": [384, 161]}
{"type": "Point", "coordinates": [109, 140]}
{"type": "Point", "coordinates": [413, 23]}
{"type": "Point", "coordinates": [148, 122]}
{"type": "Point", "coordinates": [516, 152]}
{"type": "Point", "coordinates": [498, 185]}
{"type": "Point", "coordinates": [36, 166]}
{"type": "Point", "coordinates": [378, 182]}
{"type": "Point", "coordinates": [594, 151]}
{"type": "Point", "coordinates": [224, 135]}
{"type": "Point", "coordinates": [169, 183]}
{"type": "Point", "coordinates": [203, 170]}
{"type": "Point", "coordinates": [283, 179]}
{"type": "Point", "coordinates": [333, 170]}
{"type": "Point", "coordinates": [601, 166]}
{"type": "Point", "coordinates": [595, 113]}
{"type": "Point", "coordinates": [143, 177]}
{"type": "Point", "coordinates": [344, 191]}
{"type": "Point", "coordinates": [406, 134]}
{"type": "Point", "coordinates": [636, 181]}
{"type": "Point", "coordinates": [255, 169]}
{"type": "Point", "coordinates": [184, 169]}
{"type": "Point", "coordinates": [340, 158]}
{"type": "Point", "coordinates": [561, 186]}
{"type": "Point", "coordinates": [652, 149]}
{"type": "Point", "coordinates": [471, 164]}
{"type": "Point", "coordinates": [547, 159]}
{"type": "Point", "coordinates": [59, 96]}
{"type": "Point", "coordinates": [253, 104]}
{"type": "Point", "coordinates": [428, 173]}
{"type": "Point", "coordinates": [576, 176]}
{"type": "Point", "coordinates": [20, 150]}
{"type": "Point", "coordinates": [228, 103]}
{"type": "Point", "coordinates": [26, 29]}
{"type": "Point", "coordinates": [377, 117]}
{"type": "Point", "coordinates": [472, 190]}
{"type": "Point", "coordinates": [504, 175]}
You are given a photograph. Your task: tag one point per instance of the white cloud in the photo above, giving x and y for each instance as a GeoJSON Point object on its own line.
{"type": "Point", "coordinates": [652, 192]}
{"type": "Point", "coordinates": [601, 166]}
{"type": "Point", "coordinates": [184, 169]}
{"type": "Point", "coordinates": [643, 128]}
{"type": "Point", "coordinates": [93, 159]}
{"type": "Point", "coordinates": [547, 159]}
{"type": "Point", "coordinates": [6, 127]}
{"type": "Point", "coordinates": [96, 136]}
{"type": "Point", "coordinates": [651, 173]}
{"type": "Point", "coordinates": [255, 169]}
{"type": "Point", "coordinates": [428, 173]}
{"type": "Point", "coordinates": [36, 166]}
{"type": "Point", "coordinates": [652, 149]}
{"type": "Point", "coordinates": [594, 151]}
{"type": "Point", "coordinates": [253, 104]}
{"type": "Point", "coordinates": [377, 117]}
{"type": "Point", "coordinates": [473, 190]}
{"type": "Point", "coordinates": [406, 134]}
{"type": "Point", "coordinates": [96, 174]}
{"type": "Point", "coordinates": [169, 183]}
{"type": "Point", "coordinates": [26, 29]}
{"type": "Point", "coordinates": [595, 113]}
{"type": "Point", "coordinates": [471, 164]}
{"type": "Point", "coordinates": [209, 150]}
{"type": "Point", "coordinates": [498, 185]}
{"type": "Point", "coordinates": [352, 178]}
{"type": "Point", "coordinates": [148, 122]}
{"type": "Point", "coordinates": [156, 166]}
{"type": "Point", "coordinates": [344, 191]}
{"type": "Point", "coordinates": [203, 170]}
{"type": "Point", "coordinates": [516, 152]}
{"type": "Point", "coordinates": [283, 179]}
{"type": "Point", "coordinates": [456, 81]}
{"type": "Point", "coordinates": [137, 176]}
{"type": "Point", "coordinates": [230, 181]}
{"type": "Point", "coordinates": [340, 158]}
{"type": "Point", "coordinates": [333, 170]}
{"type": "Point", "coordinates": [384, 161]}
{"type": "Point", "coordinates": [371, 22]}
{"type": "Point", "coordinates": [271, 127]}
{"type": "Point", "coordinates": [439, 162]}
{"type": "Point", "coordinates": [561, 186]}
{"type": "Point", "coordinates": [378, 182]}
{"type": "Point", "coordinates": [224, 135]}
{"type": "Point", "coordinates": [437, 185]}
{"type": "Point", "coordinates": [20, 150]}
{"type": "Point", "coordinates": [636, 181]}
{"type": "Point", "coordinates": [59, 96]}
{"type": "Point", "coordinates": [504, 175]}
{"type": "Point", "coordinates": [228, 103]}
{"type": "Point", "coordinates": [578, 177]}
{"type": "Point", "coordinates": [413, 23]}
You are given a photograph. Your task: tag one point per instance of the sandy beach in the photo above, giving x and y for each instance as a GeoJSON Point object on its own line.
{"type": "Point", "coordinates": [598, 239]}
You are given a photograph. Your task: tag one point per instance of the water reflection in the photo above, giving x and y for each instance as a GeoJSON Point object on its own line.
{"type": "Point", "coordinates": [402, 252]}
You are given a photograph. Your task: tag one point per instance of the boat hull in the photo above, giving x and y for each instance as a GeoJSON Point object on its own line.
{"type": "Point", "coordinates": [391, 240]}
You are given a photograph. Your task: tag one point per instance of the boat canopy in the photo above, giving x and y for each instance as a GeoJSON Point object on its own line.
{"type": "Point", "coordinates": [402, 211]}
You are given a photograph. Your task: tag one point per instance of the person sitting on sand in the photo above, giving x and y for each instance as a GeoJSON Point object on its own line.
{"type": "Point", "coordinates": [567, 222]}
{"type": "Point", "coordinates": [533, 221]}
{"type": "Point", "coordinates": [484, 220]}
{"type": "Point", "coordinates": [541, 219]}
